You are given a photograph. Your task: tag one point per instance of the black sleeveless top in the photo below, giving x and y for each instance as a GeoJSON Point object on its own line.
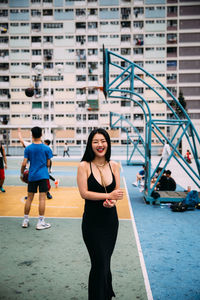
{"type": "Point", "coordinates": [94, 210]}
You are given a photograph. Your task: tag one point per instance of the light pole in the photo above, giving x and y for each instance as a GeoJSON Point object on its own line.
{"type": "Point", "coordinates": [84, 109]}
{"type": "Point", "coordinates": [39, 71]}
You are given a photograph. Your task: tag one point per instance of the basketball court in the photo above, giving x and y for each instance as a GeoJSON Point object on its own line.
{"type": "Point", "coordinates": [54, 264]}
{"type": "Point", "coordinates": [156, 254]}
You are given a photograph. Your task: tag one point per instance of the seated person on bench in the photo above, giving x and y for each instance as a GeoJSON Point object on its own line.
{"type": "Point", "coordinates": [166, 182]}
{"type": "Point", "coordinates": [139, 177]}
{"type": "Point", "coordinates": [171, 184]}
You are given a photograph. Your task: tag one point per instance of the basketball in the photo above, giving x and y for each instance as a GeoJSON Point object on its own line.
{"type": "Point", "coordinates": [29, 92]}
{"type": "Point", "coordinates": [25, 176]}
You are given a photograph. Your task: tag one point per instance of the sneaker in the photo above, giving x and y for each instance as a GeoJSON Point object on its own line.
{"type": "Point", "coordinates": [142, 183]}
{"type": "Point", "coordinates": [49, 196]}
{"type": "Point", "coordinates": [56, 183]}
{"type": "Point", "coordinates": [42, 225]}
{"type": "Point", "coordinates": [25, 223]}
{"type": "Point", "coordinates": [141, 189]}
{"type": "Point", "coordinates": [2, 189]}
{"type": "Point", "coordinates": [135, 183]}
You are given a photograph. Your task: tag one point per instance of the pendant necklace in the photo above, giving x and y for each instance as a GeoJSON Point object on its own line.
{"type": "Point", "coordinates": [101, 175]}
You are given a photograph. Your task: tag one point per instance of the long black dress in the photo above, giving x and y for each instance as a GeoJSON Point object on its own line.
{"type": "Point", "coordinates": [99, 228]}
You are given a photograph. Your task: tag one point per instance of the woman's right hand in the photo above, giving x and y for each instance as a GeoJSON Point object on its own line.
{"type": "Point", "coordinates": [116, 195]}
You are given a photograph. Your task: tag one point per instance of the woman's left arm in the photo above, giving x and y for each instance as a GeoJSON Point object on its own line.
{"type": "Point", "coordinates": [116, 171]}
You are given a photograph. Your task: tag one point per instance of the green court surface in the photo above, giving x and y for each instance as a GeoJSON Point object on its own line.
{"type": "Point", "coordinates": [54, 263]}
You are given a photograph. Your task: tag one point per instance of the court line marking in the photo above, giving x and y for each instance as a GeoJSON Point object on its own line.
{"type": "Point", "coordinates": [78, 218]}
{"type": "Point", "coordinates": [22, 217]}
{"type": "Point", "coordinates": [53, 206]}
{"type": "Point", "coordinates": [141, 257]}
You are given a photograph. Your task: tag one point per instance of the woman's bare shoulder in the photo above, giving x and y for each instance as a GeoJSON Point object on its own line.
{"type": "Point", "coordinates": [114, 164]}
{"type": "Point", "coordinates": [83, 165]}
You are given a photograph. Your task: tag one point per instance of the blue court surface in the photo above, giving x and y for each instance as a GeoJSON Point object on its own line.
{"type": "Point", "coordinates": [170, 245]}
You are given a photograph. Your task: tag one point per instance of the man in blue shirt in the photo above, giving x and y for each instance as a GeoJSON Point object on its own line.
{"type": "Point", "coordinates": [39, 156]}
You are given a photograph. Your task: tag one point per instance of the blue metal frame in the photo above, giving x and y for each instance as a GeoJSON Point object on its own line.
{"type": "Point", "coordinates": [114, 89]}
{"type": "Point", "coordinates": [118, 123]}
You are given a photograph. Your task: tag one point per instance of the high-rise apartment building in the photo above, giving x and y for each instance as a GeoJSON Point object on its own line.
{"type": "Point", "coordinates": [65, 38]}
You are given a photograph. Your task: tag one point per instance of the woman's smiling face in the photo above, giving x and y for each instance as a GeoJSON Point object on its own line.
{"type": "Point", "coordinates": [99, 145]}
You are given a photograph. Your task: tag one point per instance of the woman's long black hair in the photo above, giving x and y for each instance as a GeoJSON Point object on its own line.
{"type": "Point", "coordinates": [89, 154]}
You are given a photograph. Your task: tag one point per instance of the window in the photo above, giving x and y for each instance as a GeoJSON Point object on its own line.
{"type": "Point", "coordinates": [103, 9]}
{"type": "Point", "coordinates": [80, 25]}
{"type": "Point", "coordinates": [69, 63]}
{"type": "Point", "coordinates": [92, 25]}
{"type": "Point", "coordinates": [24, 24]}
{"type": "Point", "coordinates": [4, 40]}
{"type": "Point", "coordinates": [48, 65]}
{"type": "Point", "coordinates": [125, 103]}
{"type": "Point", "coordinates": [69, 37]}
{"type": "Point", "coordinates": [92, 38]}
{"type": "Point", "coordinates": [114, 23]}
{"type": "Point", "coordinates": [126, 24]}
{"type": "Point", "coordinates": [47, 12]}
{"type": "Point", "coordinates": [104, 23]}
{"type": "Point", "coordinates": [35, 12]}
{"type": "Point", "coordinates": [80, 77]}
{"type": "Point", "coordinates": [125, 38]}
{"type": "Point", "coordinates": [53, 25]}
{"type": "Point", "coordinates": [92, 11]}
{"type": "Point", "coordinates": [14, 11]}
{"type": "Point", "coordinates": [92, 117]}
{"type": "Point", "coordinates": [125, 51]}
{"type": "Point", "coordinates": [14, 50]}
{"type": "Point", "coordinates": [92, 77]}
{"type": "Point", "coordinates": [25, 37]}
{"type": "Point", "coordinates": [80, 39]}
{"type": "Point", "coordinates": [80, 12]}
{"type": "Point", "coordinates": [114, 36]}
{"type": "Point", "coordinates": [24, 11]}
{"type": "Point", "coordinates": [80, 92]}
{"type": "Point", "coordinates": [138, 24]}
{"type": "Point", "coordinates": [15, 116]}
{"type": "Point", "coordinates": [149, 22]}
{"type": "Point", "coordinates": [160, 35]}
{"type": "Point", "coordinates": [36, 104]}
{"type": "Point", "coordinates": [138, 51]}
{"type": "Point", "coordinates": [36, 52]}
{"type": "Point", "coordinates": [92, 51]}
{"type": "Point", "coordinates": [160, 21]}
{"type": "Point", "coordinates": [80, 65]}
{"type": "Point", "coordinates": [37, 117]}
{"type": "Point", "coordinates": [36, 39]}
{"type": "Point", "coordinates": [3, 12]}
{"type": "Point", "coordinates": [149, 49]}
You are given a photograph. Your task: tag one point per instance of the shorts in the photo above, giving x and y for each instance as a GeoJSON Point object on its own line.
{"type": "Point", "coordinates": [2, 174]}
{"type": "Point", "coordinates": [33, 186]}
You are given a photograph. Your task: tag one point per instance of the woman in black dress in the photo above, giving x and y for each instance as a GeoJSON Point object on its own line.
{"type": "Point", "coordinates": [98, 181]}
